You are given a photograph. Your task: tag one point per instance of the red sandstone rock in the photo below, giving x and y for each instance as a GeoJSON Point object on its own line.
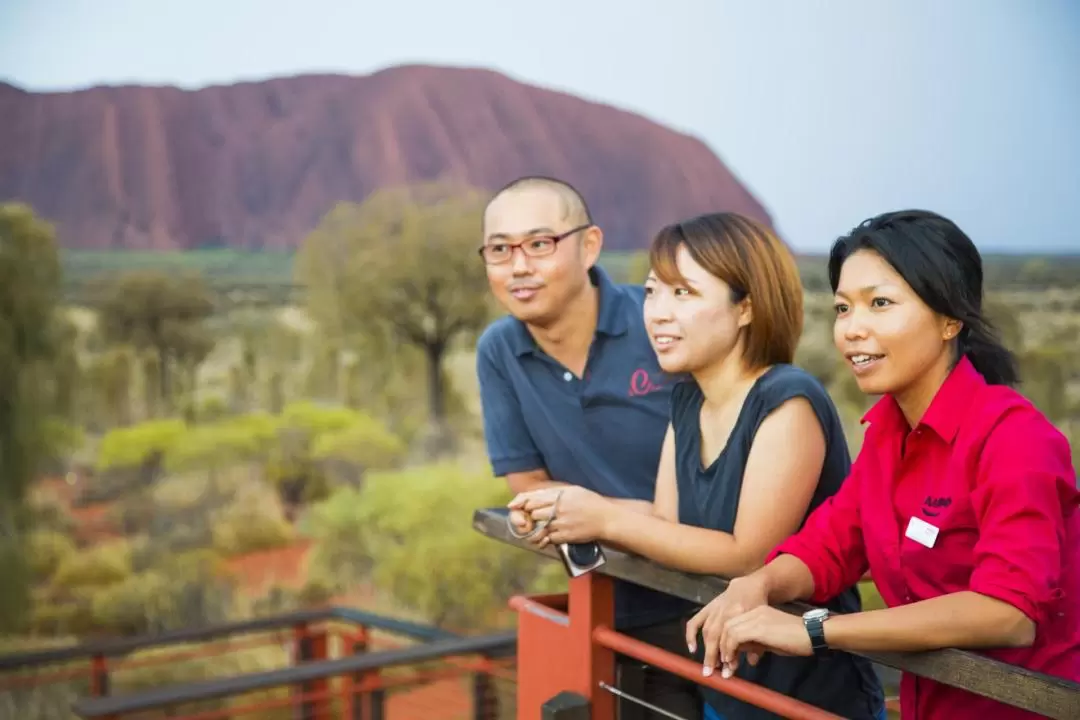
{"type": "Point", "coordinates": [255, 165]}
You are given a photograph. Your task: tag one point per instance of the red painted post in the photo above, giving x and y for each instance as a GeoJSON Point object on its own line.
{"type": "Point", "coordinates": [353, 704]}
{"type": "Point", "coordinates": [99, 676]}
{"type": "Point", "coordinates": [321, 707]}
{"type": "Point", "coordinates": [592, 605]}
{"type": "Point", "coordinates": [556, 651]}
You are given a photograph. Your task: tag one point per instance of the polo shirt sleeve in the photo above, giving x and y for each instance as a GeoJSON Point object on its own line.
{"type": "Point", "coordinates": [510, 446]}
{"type": "Point", "coordinates": [1025, 489]}
{"type": "Point", "coordinates": [830, 543]}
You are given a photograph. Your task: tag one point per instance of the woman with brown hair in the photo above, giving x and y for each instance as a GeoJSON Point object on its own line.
{"type": "Point", "coordinates": [755, 444]}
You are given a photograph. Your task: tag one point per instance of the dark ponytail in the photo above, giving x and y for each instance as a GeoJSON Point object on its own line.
{"type": "Point", "coordinates": [944, 268]}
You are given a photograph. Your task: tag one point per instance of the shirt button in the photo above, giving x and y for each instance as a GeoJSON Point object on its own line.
{"type": "Point", "coordinates": [568, 376]}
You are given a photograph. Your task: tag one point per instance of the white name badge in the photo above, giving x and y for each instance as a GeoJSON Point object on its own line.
{"type": "Point", "coordinates": [922, 532]}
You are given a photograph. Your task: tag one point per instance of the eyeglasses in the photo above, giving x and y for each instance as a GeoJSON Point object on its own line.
{"type": "Point", "coordinates": [497, 253]}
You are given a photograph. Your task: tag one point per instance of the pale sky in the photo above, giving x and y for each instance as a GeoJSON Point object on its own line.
{"type": "Point", "coordinates": [830, 111]}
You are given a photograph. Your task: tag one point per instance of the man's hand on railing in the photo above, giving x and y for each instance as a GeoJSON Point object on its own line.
{"type": "Point", "coordinates": [742, 596]}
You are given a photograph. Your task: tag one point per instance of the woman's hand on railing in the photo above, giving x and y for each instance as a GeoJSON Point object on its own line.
{"type": "Point", "coordinates": [763, 628]}
{"type": "Point", "coordinates": [742, 596]}
{"type": "Point", "coordinates": [573, 514]}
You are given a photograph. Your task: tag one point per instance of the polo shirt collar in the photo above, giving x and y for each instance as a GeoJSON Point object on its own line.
{"type": "Point", "coordinates": [611, 318]}
{"type": "Point", "coordinates": [946, 410]}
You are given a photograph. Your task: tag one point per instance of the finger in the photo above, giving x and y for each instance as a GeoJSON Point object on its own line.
{"type": "Point", "coordinates": [539, 498]}
{"type": "Point", "coordinates": [727, 633]}
{"type": "Point", "coordinates": [692, 626]}
{"type": "Point", "coordinates": [711, 646]}
{"type": "Point", "coordinates": [734, 638]}
{"type": "Point", "coordinates": [541, 514]}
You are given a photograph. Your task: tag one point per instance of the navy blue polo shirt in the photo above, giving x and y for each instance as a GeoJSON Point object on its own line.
{"type": "Point", "coordinates": [603, 431]}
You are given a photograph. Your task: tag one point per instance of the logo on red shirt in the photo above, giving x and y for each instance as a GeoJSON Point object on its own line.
{"type": "Point", "coordinates": [932, 506]}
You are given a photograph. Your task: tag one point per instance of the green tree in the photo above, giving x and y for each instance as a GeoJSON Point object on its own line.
{"type": "Point", "coordinates": [401, 268]}
{"type": "Point", "coordinates": [162, 312]}
{"type": "Point", "coordinates": [29, 294]}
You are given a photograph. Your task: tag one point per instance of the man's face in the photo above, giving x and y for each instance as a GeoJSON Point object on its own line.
{"type": "Point", "coordinates": [537, 289]}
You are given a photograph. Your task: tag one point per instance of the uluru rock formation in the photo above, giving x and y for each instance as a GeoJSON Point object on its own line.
{"type": "Point", "coordinates": [256, 165]}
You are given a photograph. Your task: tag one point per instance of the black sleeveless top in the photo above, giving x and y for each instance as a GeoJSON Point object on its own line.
{"type": "Point", "coordinates": [709, 497]}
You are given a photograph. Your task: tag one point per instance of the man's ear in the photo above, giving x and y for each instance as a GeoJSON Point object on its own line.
{"type": "Point", "coordinates": [592, 242]}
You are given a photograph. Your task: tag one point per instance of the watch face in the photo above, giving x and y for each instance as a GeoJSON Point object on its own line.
{"type": "Point", "coordinates": [816, 614]}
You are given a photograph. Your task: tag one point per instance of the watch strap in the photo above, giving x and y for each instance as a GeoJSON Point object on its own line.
{"type": "Point", "coordinates": [815, 627]}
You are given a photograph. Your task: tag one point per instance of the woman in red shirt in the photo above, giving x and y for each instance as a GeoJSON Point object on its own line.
{"type": "Point", "coordinates": [962, 502]}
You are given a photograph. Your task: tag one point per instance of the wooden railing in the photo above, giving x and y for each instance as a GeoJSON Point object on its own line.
{"type": "Point", "coordinates": [1049, 696]}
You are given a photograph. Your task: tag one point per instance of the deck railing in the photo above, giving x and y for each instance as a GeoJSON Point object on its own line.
{"type": "Point", "coordinates": [566, 645]}
{"type": "Point", "coordinates": [336, 655]}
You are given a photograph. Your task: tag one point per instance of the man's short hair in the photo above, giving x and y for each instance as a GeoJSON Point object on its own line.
{"type": "Point", "coordinates": [573, 204]}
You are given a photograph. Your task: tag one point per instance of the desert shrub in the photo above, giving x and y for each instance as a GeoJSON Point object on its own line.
{"type": "Point", "coordinates": [212, 409]}
{"type": "Point", "coordinates": [252, 522]}
{"type": "Point", "coordinates": [224, 443]}
{"type": "Point", "coordinates": [50, 513]}
{"type": "Point", "coordinates": [365, 443]}
{"type": "Point", "coordinates": [137, 605]}
{"type": "Point", "coordinates": [340, 557]}
{"type": "Point", "coordinates": [415, 526]}
{"type": "Point", "coordinates": [134, 514]}
{"type": "Point", "coordinates": [316, 592]}
{"type": "Point", "coordinates": [99, 566]}
{"type": "Point", "coordinates": [177, 589]}
{"type": "Point", "coordinates": [131, 446]}
{"type": "Point", "coordinates": [296, 476]}
{"type": "Point", "coordinates": [319, 445]}
{"type": "Point", "coordinates": [276, 600]}
{"type": "Point", "coordinates": [48, 550]}
{"type": "Point", "coordinates": [72, 616]}
{"type": "Point", "coordinates": [1043, 372]}
{"type": "Point", "coordinates": [317, 419]}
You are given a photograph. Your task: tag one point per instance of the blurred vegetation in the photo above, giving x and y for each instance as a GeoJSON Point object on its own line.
{"type": "Point", "coordinates": [397, 276]}
{"type": "Point", "coordinates": [410, 529]}
{"type": "Point", "coordinates": [164, 426]}
{"type": "Point", "coordinates": [35, 369]}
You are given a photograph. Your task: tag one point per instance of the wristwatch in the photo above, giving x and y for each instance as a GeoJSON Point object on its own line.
{"type": "Point", "coordinates": [813, 621]}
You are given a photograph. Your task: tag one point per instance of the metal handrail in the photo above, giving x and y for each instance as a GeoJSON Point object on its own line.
{"type": "Point", "coordinates": [104, 707]}
{"type": "Point", "coordinates": [124, 646]}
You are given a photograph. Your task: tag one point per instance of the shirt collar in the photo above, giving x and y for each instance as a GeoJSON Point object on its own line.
{"type": "Point", "coordinates": [611, 317]}
{"type": "Point", "coordinates": [946, 410]}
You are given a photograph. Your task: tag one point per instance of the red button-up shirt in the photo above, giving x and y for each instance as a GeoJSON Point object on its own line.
{"type": "Point", "coordinates": [996, 479]}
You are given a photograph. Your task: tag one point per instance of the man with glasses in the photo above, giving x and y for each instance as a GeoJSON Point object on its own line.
{"type": "Point", "coordinates": [572, 393]}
